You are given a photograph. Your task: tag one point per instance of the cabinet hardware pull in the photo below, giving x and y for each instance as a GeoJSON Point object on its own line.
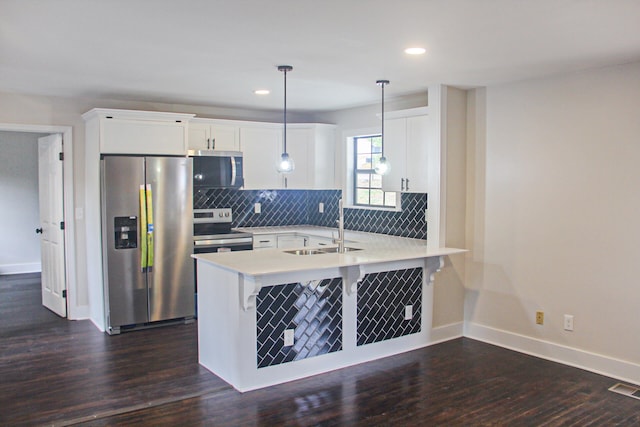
{"type": "Point", "coordinates": [401, 184]}
{"type": "Point", "coordinates": [407, 186]}
{"type": "Point", "coordinates": [213, 144]}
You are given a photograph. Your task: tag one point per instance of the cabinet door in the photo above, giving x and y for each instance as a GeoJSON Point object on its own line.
{"type": "Point", "coordinates": [199, 136]}
{"type": "Point", "coordinates": [417, 154]}
{"type": "Point", "coordinates": [264, 241]}
{"type": "Point", "coordinates": [292, 241]}
{"type": "Point", "coordinates": [225, 137]}
{"type": "Point", "coordinates": [322, 158]}
{"type": "Point", "coordinates": [299, 142]}
{"type": "Point", "coordinates": [262, 149]}
{"type": "Point", "coordinates": [395, 150]}
{"type": "Point", "coordinates": [122, 136]}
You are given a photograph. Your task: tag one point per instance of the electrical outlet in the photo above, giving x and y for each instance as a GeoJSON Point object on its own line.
{"type": "Point", "coordinates": [288, 337]}
{"type": "Point", "coordinates": [321, 207]}
{"type": "Point", "coordinates": [540, 317]}
{"type": "Point", "coordinates": [568, 322]}
{"type": "Point", "coordinates": [257, 208]}
{"type": "Point", "coordinates": [408, 312]}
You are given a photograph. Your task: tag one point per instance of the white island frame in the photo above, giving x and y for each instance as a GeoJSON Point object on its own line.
{"type": "Point", "coordinates": [228, 284]}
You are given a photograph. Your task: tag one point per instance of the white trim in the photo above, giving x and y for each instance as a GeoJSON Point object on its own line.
{"type": "Point", "coordinates": [73, 311]}
{"type": "Point", "coordinates": [410, 112]}
{"type": "Point", "coordinates": [379, 208]}
{"type": "Point", "coordinates": [597, 363]}
{"type": "Point", "coordinates": [348, 137]}
{"type": "Point", "coordinates": [31, 267]}
{"type": "Point", "coordinates": [447, 332]}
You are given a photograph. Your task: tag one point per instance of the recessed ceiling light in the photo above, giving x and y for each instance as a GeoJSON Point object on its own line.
{"type": "Point", "coordinates": [415, 51]}
{"type": "Point", "coordinates": [262, 92]}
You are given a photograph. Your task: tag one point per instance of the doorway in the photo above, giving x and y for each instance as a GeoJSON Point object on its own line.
{"type": "Point", "coordinates": [71, 307]}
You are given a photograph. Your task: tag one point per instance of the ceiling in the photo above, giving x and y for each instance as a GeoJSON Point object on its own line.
{"type": "Point", "coordinates": [217, 52]}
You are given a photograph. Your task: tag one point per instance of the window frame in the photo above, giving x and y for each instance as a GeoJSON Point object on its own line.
{"type": "Point", "coordinates": [371, 171]}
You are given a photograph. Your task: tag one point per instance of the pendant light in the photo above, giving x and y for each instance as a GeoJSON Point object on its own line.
{"type": "Point", "coordinates": [383, 165]}
{"type": "Point", "coordinates": [286, 164]}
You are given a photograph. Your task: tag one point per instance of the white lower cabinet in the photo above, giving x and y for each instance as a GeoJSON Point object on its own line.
{"type": "Point", "coordinates": [286, 241]}
{"type": "Point", "coordinates": [264, 241]}
{"type": "Point", "coordinates": [289, 240]}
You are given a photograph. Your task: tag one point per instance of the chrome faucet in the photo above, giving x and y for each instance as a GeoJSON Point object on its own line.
{"type": "Point", "coordinates": [340, 239]}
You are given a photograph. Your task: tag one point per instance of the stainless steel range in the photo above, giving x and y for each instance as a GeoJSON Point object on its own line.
{"type": "Point", "coordinates": [212, 232]}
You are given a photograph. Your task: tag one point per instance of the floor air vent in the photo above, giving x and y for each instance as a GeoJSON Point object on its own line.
{"type": "Point", "coordinates": [627, 390]}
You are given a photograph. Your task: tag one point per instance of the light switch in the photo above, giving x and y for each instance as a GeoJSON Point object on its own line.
{"type": "Point", "coordinates": [257, 208]}
{"type": "Point", "coordinates": [321, 207]}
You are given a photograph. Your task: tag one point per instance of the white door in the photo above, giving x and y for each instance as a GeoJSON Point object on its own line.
{"type": "Point", "coordinates": [50, 182]}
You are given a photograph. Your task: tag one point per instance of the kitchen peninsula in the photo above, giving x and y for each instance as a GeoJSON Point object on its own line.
{"type": "Point", "coordinates": [275, 315]}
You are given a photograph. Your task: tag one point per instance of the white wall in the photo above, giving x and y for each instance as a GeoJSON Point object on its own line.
{"type": "Point", "coordinates": [19, 216]}
{"type": "Point", "coordinates": [449, 283]}
{"type": "Point", "coordinates": [18, 109]}
{"type": "Point", "coordinates": [554, 217]}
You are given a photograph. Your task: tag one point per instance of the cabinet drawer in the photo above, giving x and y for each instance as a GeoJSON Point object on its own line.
{"type": "Point", "coordinates": [264, 241]}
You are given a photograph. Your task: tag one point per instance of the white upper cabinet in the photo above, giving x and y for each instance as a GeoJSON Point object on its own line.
{"type": "Point", "coordinates": [312, 147]}
{"type": "Point", "coordinates": [406, 146]}
{"type": "Point", "coordinates": [261, 148]}
{"type": "Point", "coordinates": [214, 135]}
{"type": "Point", "coordinates": [139, 132]}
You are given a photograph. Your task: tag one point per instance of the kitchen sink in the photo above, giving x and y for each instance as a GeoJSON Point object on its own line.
{"type": "Point", "coordinates": [333, 250]}
{"type": "Point", "coordinates": [304, 252]}
{"type": "Point", "coordinates": [317, 251]}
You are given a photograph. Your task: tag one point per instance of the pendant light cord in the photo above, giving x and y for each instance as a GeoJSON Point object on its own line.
{"type": "Point", "coordinates": [285, 69]}
{"type": "Point", "coordinates": [382, 141]}
{"type": "Point", "coordinates": [382, 83]}
{"type": "Point", "coordinates": [285, 110]}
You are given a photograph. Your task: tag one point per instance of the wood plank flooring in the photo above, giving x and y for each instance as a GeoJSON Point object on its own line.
{"type": "Point", "coordinates": [54, 371]}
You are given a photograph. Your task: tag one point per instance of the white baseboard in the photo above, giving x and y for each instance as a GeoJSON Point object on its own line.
{"type": "Point", "coordinates": [446, 333]}
{"type": "Point", "coordinates": [597, 363]}
{"type": "Point", "coordinates": [80, 312]}
{"type": "Point", "coordinates": [32, 267]}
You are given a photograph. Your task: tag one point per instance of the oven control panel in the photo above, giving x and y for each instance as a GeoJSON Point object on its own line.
{"type": "Point", "coordinates": [208, 216]}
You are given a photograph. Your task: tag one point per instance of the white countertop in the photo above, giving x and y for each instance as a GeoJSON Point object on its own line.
{"type": "Point", "coordinates": [375, 248]}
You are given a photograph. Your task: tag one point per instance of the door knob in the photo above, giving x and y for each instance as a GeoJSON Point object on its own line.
{"type": "Point", "coordinates": [38, 230]}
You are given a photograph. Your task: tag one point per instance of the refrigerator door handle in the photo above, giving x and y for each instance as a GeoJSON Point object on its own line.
{"type": "Point", "coordinates": [143, 229]}
{"type": "Point", "coordinates": [150, 251]}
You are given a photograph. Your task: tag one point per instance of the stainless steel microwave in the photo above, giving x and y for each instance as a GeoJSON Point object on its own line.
{"type": "Point", "coordinates": [217, 169]}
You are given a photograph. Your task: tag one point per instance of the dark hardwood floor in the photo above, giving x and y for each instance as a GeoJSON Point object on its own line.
{"type": "Point", "coordinates": [60, 372]}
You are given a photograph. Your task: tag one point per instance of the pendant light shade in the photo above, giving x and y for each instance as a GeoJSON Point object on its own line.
{"type": "Point", "coordinates": [286, 164]}
{"type": "Point", "coordinates": [382, 167]}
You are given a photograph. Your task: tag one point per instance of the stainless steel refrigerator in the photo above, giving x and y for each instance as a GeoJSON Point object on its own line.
{"type": "Point", "coordinates": [147, 237]}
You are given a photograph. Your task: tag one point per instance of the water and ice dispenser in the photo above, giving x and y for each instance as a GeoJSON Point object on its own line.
{"type": "Point", "coordinates": [126, 232]}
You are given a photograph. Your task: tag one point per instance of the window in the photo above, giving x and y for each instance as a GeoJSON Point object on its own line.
{"type": "Point", "coordinates": [367, 184]}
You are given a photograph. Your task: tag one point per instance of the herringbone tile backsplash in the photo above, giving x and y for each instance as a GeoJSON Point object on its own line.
{"type": "Point", "coordinates": [300, 207]}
